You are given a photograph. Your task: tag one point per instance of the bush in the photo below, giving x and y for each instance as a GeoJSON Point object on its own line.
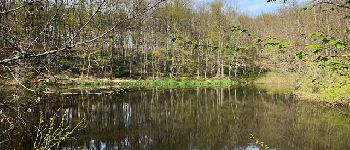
{"type": "Point", "coordinates": [337, 92]}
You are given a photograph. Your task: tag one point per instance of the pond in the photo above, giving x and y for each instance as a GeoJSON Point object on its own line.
{"type": "Point", "coordinates": [242, 118]}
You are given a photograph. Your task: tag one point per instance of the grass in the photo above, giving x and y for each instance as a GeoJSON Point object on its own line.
{"type": "Point", "coordinates": [159, 83]}
{"type": "Point", "coordinates": [336, 92]}
{"type": "Point", "coordinates": [276, 82]}
{"type": "Point", "coordinates": [333, 91]}
{"type": "Point", "coordinates": [95, 83]}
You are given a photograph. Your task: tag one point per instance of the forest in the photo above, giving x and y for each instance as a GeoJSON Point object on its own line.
{"type": "Point", "coordinates": [45, 44]}
{"type": "Point", "coordinates": [142, 39]}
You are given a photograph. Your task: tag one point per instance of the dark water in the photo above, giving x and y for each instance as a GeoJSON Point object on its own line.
{"type": "Point", "coordinates": [201, 118]}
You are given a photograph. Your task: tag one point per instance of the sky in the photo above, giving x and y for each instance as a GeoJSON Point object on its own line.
{"type": "Point", "coordinates": [255, 7]}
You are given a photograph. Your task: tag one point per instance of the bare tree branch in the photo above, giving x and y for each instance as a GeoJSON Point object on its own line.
{"type": "Point", "coordinates": [19, 82]}
{"type": "Point", "coordinates": [88, 22]}
{"type": "Point", "coordinates": [68, 47]}
{"type": "Point", "coordinates": [13, 45]}
{"type": "Point", "coordinates": [12, 109]}
{"type": "Point", "coordinates": [334, 4]}
{"type": "Point", "coordinates": [46, 26]}
{"type": "Point", "coordinates": [20, 7]}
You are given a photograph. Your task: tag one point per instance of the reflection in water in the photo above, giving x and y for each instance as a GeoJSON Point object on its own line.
{"type": "Point", "coordinates": [126, 114]}
{"type": "Point", "coordinates": [202, 118]}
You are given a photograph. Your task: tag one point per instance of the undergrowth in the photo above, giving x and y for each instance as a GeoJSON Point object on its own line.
{"type": "Point", "coordinates": [321, 87]}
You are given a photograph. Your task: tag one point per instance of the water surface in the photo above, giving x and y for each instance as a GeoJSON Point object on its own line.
{"type": "Point", "coordinates": [201, 118]}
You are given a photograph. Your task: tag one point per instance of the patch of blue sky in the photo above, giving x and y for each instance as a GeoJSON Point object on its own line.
{"type": "Point", "coordinates": [256, 7]}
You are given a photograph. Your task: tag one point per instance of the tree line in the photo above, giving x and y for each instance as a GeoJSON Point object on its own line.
{"type": "Point", "coordinates": [41, 40]}
{"type": "Point", "coordinates": [177, 38]}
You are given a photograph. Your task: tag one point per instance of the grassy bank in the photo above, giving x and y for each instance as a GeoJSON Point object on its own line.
{"type": "Point", "coordinates": [277, 82]}
{"type": "Point", "coordinates": [154, 83]}
{"type": "Point", "coordinates": [335, 90]}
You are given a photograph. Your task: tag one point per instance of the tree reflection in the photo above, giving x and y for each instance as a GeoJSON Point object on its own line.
{"type": "Point", "coordinates": [200, 118]}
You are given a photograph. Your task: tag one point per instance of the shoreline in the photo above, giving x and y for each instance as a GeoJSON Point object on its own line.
{"type": "Point", "coordinates": [272, 82]}
{"type": "Point", "coordinates": [276, 82]}
{"type": "Point", "coordinates": [150, 83]}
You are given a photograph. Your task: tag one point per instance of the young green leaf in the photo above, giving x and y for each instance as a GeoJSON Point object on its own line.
{"type": "Point", "coordinates": [315, 48]}
{"type": "Point", "coordinates": [300, 55]}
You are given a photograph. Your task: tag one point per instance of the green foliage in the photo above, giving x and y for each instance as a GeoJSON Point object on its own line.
{"type": "Point", "coordinates": [321, 59]}
{"type": "Point", "coordinates": [317, 34]}
{"type": "Point", "coordinates": [163, 83]}
{"type": "Point", "coordinates": [337, 43]}
{"type": "Point", "coordinates": [260, 143]}
{"type": "Point", "coordinates": [300, 55]}
{"type": "Point", "coordinates": [118, 69]}
{"type": "Point", "coordinates": [338, 92]}
{"type": "Point", "coordinates": [272, 44]}
{"type": "Point", "coordinates": [315, 48]}
{"type": "Point", "coordinates": [330, 88]}
{"type": "Point", "coordinates": [318, 58]}
{"type": "Point", "coordinates": [50, 135]}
